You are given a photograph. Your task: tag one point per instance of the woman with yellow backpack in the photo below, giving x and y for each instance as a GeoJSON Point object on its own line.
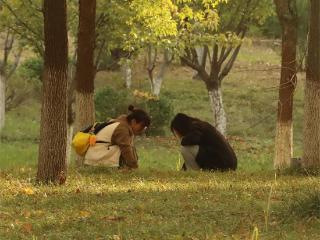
{"type": "Point", "coordinates": [113, 145]}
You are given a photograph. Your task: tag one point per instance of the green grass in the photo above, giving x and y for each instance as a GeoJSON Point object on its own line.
{"type": "Point", "coordinates": [157, 201]}
{"type": "Point", "coordinates": [154, 204]}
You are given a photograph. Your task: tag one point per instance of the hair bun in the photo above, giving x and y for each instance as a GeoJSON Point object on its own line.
{"type": "Point", "coordinates": [130, 108]}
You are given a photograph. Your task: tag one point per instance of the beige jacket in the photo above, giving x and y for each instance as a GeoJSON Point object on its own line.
{"type": "Point", "coordinates": [119, 148]}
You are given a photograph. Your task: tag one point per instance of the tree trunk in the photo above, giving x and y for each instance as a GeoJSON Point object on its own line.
{"type": "Point", "coordinates": [2, 101]}
{"type": "Point", "coordinates": [311, 135]}
{"type": "Point", "coordinates": [69, 140]}
{"type": "Point", "coordinates": [157, 82]}
{"type": "Point", "coordinates": [151, 65]}
{"type": "Point", "coordinates": [53, 129]}
{"type": "Point", "coordinates": [85, 70]}
{"type": "Point", "coordinates": [287, 13]}
{"type": "Point", "coordinates": [200, 57]}
{"type": "Point", "coordinates": [219, 115]}
{"type": "Point", "coordinates": [127, 73]}
{"type": "Point", "coordinates": [71, 110]}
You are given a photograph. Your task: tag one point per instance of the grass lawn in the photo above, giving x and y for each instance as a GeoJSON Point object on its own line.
{"type": "Point", "coordinates": [158, 201]}
{"type": "Point", "coordinates": [154, 204]}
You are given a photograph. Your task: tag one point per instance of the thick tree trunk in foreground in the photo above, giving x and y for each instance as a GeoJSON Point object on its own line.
{"type": "Point", "coordinates": [53, 130]}
{"type": "Point", "coordinates": [311, 135]}
{"type": "Point", "coordinates": [287, 14]}
{"type": "Point", "coordinates": [85, 70]}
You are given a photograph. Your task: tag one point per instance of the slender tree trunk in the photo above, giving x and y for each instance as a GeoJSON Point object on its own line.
{"type": "Point", "coordinates": [85, 70]}
{"type": "Point", "coordinates": [69, 140]}
{"type": "Point", "coordinates": [219, 115]}
{"type": "Point", "coordinates": [53, 130]}
{"type": "Point", "coordinates": [157, 82]}
{"type": "Point", "coordinates": [200, 56]}
{"type": "Point", "coordinates": [2, 101]}
{"type": "Point", "coordinates": [127, 72]}
{"type": "Point", "coordinates": [151, 65]}
{"type": "Point", "coordinates": [311, 135]}
{"type": "Point", "coordinates": [287, 13]}
{"type": "Point", "coordinates": [71, 110]}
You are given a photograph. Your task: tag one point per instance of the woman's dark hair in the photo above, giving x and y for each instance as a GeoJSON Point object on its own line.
{"type": "Point", "coordinates": [182, 123]}
{"type": "Point", "coordinates": [139, 115]}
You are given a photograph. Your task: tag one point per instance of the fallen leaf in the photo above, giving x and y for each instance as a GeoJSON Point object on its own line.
{"type": "Point", "coordinates": [28, 191]}
{"type": "Point", "coordinates": [26, 213]}
{"type": "Point", "coordinates": [27, 227]}
{"type": "Point", "coordinates": [113, 218]}
{"type": "Point", "coordinates": [84, 214]}
{"type": "Point", "coordinates": [116, 237]}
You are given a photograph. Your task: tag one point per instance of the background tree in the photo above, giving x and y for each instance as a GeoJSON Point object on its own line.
{"type": "Point", "coordinates": [303, 17]}
{"type": "Point", "coordinates": [7, 68]}
{"type": "Point", "coordinates": [218, 43]}
{"type": "Point", "coordinates": [272, 29]}
{"type": "Point", "coordinates": [10, 58]}
{"type": "Point", "coordinates": [85, 69]}
{"type": "Point", "coordinates": [311, 133]}
{"type": "Point", "coordinates": [287, 13]}
{"type": "Point", "coordinates": [152, 28]}
{"type": "Point", "coordinates": [25, 20]}
{"type": "Point", "coordinates": [53, 129]}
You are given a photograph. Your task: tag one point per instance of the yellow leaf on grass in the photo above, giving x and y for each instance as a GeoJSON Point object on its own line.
{"type": "Point", "coordinates": [28, 191]}
{"type": "Point", "coordinates": [84, 214]}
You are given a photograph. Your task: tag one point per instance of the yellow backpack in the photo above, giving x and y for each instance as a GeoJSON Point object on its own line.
{"type": "Point", "coordinates": [82, 140]}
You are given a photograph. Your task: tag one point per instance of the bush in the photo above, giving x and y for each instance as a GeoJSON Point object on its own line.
{"type": "Point", "coordinates": [19, 90]}
{"type": "Point", "coordinates": [110, 103]}
{"type": "Point", "coordinates": [31, 68]}
{"type": "Point", "coordinates": [160, 109]}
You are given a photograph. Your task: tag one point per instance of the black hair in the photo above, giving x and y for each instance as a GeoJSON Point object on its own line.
{"type": "Point", "coordinates": [182, 123]}
{"type": "Point", "coordinates": [139, 115]}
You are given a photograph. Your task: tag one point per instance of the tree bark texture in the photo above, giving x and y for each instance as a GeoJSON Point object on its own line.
{"type": "Point", "coordinates": [85, 69]}
{"type": "Point", "coordinates": [53, 129]}
{"type": "Point", "coordinates": [287, 14]}
{"type": "Point", "coordinates": [311, 135]}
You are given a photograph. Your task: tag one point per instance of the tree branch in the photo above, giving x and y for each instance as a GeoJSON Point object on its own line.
{"type": "Point", "coordinates": [230, 63]}
{"type": "Point", "coordinates": [16, 63]}
{"type": "Point", "coordinates": [37, 45]}
{"type": "Point", "coordinates": [98, 56]}
{"type": "Point", "coordinates": [201, 71]}
{"type": "Point", "coordinates": [19, 20]}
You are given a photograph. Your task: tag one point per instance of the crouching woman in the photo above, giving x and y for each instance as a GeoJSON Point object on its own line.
{"type": "Point", "coordinates": [114, 145]}
{"type": "Point", "coordinates": [202, 146]}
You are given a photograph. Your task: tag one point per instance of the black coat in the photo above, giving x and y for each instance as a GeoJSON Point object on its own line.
{"type": "Point", "coordinates": [215, 153]}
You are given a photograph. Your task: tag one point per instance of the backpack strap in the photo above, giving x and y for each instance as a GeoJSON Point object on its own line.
{"type": "Point", "coordinates": [96, 127]}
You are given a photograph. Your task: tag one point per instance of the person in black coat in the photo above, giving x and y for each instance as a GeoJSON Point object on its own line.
{"type": "Point", "coordinates": [203, 147]}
